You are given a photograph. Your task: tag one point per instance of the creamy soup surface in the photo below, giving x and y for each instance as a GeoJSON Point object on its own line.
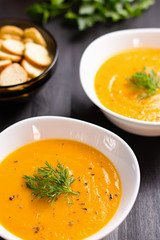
{"type": "Point", "coordinates": [30, 218]}
{"type": "Point", "coordinates": [112, 89]}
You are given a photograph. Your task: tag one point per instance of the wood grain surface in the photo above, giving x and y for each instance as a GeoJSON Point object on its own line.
{"type": "Point", "coordinates": [64, 96]}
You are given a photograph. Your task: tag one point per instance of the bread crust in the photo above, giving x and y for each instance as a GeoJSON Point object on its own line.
{"type": "Point", "coordinates": [13, 46]}
{"type": "Point", "coordinates": [4, 63]}
{"type": "Point", "coordinates": [32, 70]}
{"type": "Point", "coordinates": [13, 74]}
{"type": "Point", "coordinates": [9, 36]}
{"type": "Point", "coordinates": [34, 34]}
{"type": "Point", "coordinates": [37, 54]}
{"type": "Point", "coordinates": [12, 57]}
{"type": "Point", "coordinates": [13, 30]}
{"type": "Point", "coordinates": [27, 40]}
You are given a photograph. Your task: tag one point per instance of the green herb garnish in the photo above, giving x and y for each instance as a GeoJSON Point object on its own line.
{"type": "Point", "coordinates": [49, 182]}
{"type": "Point", "coordinates": [146, 82]}
{"type": "Point", "coordinates": [85, 13]}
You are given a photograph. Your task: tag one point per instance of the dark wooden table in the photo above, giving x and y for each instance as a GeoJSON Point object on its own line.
{"type": "Point", "coordinates": [64, 96]}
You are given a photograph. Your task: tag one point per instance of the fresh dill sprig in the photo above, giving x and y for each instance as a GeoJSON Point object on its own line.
{"type": "Point", "coordinates": [146, 82]}
{"type": "Point", "coordinates": [49, 182]}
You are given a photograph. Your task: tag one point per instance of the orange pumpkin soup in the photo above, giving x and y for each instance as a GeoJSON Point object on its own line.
{"type": "Point", "coordinates": [97, 183]}
{"type": "Point", "coordinates": [114, 92]}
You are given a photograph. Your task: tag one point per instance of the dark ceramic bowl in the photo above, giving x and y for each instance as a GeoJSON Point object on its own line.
{"type": "Point", "coordinates": [24, 90]}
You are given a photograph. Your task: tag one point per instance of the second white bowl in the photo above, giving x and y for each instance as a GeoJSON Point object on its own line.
{"type": "Point", "coordinates": [98, 52]}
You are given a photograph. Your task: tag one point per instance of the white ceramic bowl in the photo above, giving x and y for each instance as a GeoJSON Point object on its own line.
{"type": "Point", "coordinates": [108, 143]}
{"type": "Point", "coordinates": [98, 52]}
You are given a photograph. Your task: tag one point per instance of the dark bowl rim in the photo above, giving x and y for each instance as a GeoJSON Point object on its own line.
{"type": "Point", "coordinates": [53, 61]}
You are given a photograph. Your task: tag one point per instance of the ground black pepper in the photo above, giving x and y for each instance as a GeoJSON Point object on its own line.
{"type": "Point", "coordinates": [12, 197]}
{"type": "Point", "coordinates": [85, 209]}
{"type": "Point", "coordinates": [110, 196]}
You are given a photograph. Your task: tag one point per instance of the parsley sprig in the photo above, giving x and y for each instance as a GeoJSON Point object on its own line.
{"type": "Point", "coordinates": [85, 13]}
{"type": "Point", "coordinates": [146, 82]}
{"type": "Point", "coordinates": [49, 182]}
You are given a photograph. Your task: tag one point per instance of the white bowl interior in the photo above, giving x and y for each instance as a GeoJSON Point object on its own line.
{"type": "Point", "coordinates": [108, 143]}
{"type": "Point", "coordinates": [103, 48]}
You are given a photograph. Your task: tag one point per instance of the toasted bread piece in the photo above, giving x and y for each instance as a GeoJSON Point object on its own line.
{"type": "Point", "coordinates": [9, 36]}
{"type": "Point", "coordinates": [37, 54]}
{"type": "Point", "coordinates": [32, 70]}
{"type": "Point", "coordinates": [13, 74]}
{"type": "Point", "coordinates": [12, 30]}
{"type": "Point", "coordinates": [34, 34]}
{"type": "Point", "coordinates": [27, 40]}
{"type": "Point", "coordinates": [13, 46]}
{"type": "Point", "coordinates": [4, 63]}
{"type": "Point", "coordinates": [12, 57]}
{"type": "Point", "coordinates": [1, 41]}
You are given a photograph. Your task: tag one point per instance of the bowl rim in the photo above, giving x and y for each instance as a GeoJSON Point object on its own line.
{"type": "Point", "coordinates": [91, 125]}
{"type": "Point", "coordinates": [54, 60]}
{"type": "Point", "coordinates": [98, 103]}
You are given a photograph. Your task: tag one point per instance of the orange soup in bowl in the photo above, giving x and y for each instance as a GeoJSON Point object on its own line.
{"type": "Point", "coordinates": [128, 83]}
{"type": "Point", "coordinates": [84, 195]}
